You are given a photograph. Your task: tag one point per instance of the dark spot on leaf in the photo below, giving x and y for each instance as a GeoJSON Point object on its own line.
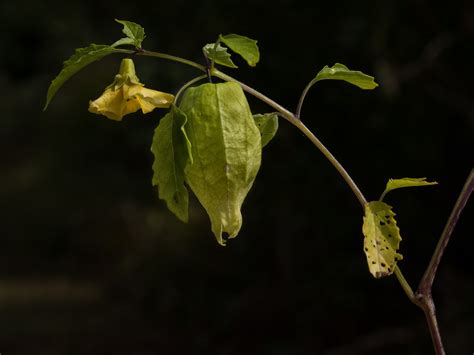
{"type": "Point", "coordinates": [366, 249]}
{"type": "Point", "coordinates": [388, 222]}
{"type": "Point", "coordinates": [383, 265]}
{"type": "Point", "coordinates": [390, 236]}
{"type": "Point", "coordinates": [373, 262]}
{"type": "Point", "coordinates": [388, 269]}
{"type": "Point", "coordinates": [382, 223]}
{"type": "Point", "coordinates": [387, 217]}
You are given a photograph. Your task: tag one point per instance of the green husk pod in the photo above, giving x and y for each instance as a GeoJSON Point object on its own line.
{"type": "Point", "coordinates": [226, 152]}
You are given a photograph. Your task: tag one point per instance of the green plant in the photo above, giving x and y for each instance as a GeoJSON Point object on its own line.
{"type": "Point", "coordinates": [212, 143]}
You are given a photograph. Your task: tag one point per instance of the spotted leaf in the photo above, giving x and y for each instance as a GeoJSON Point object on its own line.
{"type": "Point", "coordinates": [382, 239]}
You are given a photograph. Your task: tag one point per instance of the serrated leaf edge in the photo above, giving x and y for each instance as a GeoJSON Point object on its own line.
{"type": "Point", "coordinates": [63, 76]}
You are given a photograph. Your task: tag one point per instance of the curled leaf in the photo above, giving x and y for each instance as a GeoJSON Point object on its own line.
{"type": "Point", "coordinates": [172, 151]}
{"type": "Point", "coordinates": [382, 239]}
{"type": "Point", "coordinates": [393, 184]}
{"type": "Point", "coordinates": [341, 72]}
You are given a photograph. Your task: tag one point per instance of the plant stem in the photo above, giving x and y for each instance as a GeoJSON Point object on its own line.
{"type": "Point", "coordinates": [332, 159]}
{"type": "Point", "coordinates": [429, 275]}
{"type": "Point", "coordinates": [283, 111]}
{"type": "Point", "coordinates": [405, 285]}
{"type": "Point", "coordinates": [428, 307]}
{"type": "Point", "coordinates": [172, 58]}
{"type": "Point", "coordinates": [188, 84]}
{"type": "Point", "coordinates": [289, 116]}
{"type": "Point", "coordinates": [382, 196]}
{"type": "Point", "coordinates": [424, 294]}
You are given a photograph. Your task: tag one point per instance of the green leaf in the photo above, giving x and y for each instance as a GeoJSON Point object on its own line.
{"type": "Point", "coordinates": [246, 47]}
{"type": "Point", "coordinates": [226, 150]}
{"type": "Point", "coordinates": [341, 72]}
{"type": "Point", "coordinates": [80, 59]}
{"type": "Point", "coordinates": [172, 151]}
{"type": "Point", "coordinates": [133, 31]}
{"type": "Point", "coordinates": [393, 184]}
{"type": "Point", "coordinates": [382, 239]}
{"type": "Point", "coordinates": [267, 124]}
{"type": "Point", "coordinates": [218, 54]}
{"type": "Point", "coordinates": [123, 41]}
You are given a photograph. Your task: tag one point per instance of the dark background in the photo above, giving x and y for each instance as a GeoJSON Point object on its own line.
{"type": "Point", "coordinates": [91, 262]}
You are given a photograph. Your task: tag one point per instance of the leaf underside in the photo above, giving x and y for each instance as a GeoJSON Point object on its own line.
{"type": "Point", "coordinates": [393, 184]}
{"type": "Point", "coordinates": [172, 151]}
{"type": "Point", "coordinates": [80, 59]}
{"type": "Point", "coordinates": [226, 150]}
{"type": "Point", "coordinates": [382, 239]}
{"type": "Point", "coordinates": [246, 47]}
{"type": "Point", "coordinates": [124, 41]}
{"type": "Point", "coordinates": [133, 31]}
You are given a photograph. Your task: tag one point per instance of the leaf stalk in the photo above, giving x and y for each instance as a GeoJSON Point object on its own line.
{"type": "Point", "coordinates": [302, 97]}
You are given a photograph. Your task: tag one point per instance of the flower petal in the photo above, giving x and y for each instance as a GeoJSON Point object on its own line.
{"type": "Point", "coordinates": [113, 105]}
{"type": "Point", "coordinates": [149, 99]}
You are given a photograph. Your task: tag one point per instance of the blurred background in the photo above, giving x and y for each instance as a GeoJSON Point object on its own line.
{"type": "Point", "coordinates": [91, 262]}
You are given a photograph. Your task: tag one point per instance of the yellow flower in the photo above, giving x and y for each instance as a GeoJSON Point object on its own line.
{"type": "Point", "coordinates": [126, 95]}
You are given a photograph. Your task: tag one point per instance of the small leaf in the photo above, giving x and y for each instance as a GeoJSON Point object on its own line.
{"type": "Point", "coordinates": [267, 125]}
{"type": "Point", "coordinates": [133, 31]}
{"type": "Point", "coordinates": [80, 59]}
{"type": "Point", "coordinates": [226, 150]}
{"type": "Point", "coordinates": [124, 41]}
{"type": "Point", "coordinates": [341, 72]}
{"type": "Point", "coordinates": [218, 54]}
{"type": "Point", "coordinates": [382, 239]}
{"type": "Point", "coordinates": [172, 151]}
{"type": "Point", "coordinates": [246, 47]}
{"type": "Point", "coordinates": [393, 184]}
